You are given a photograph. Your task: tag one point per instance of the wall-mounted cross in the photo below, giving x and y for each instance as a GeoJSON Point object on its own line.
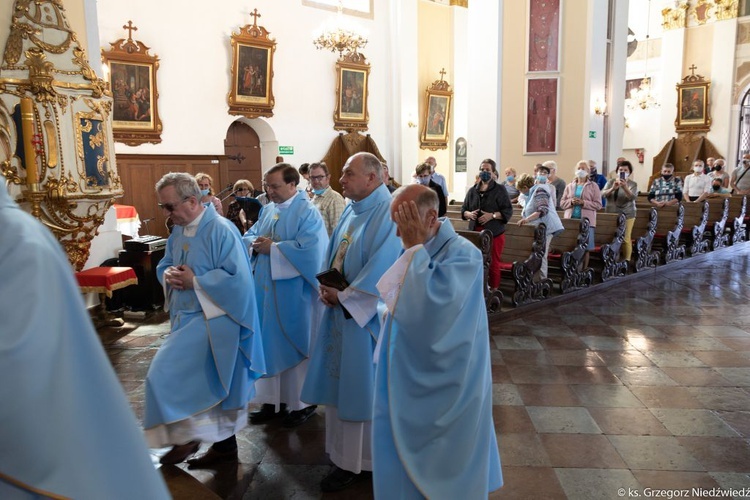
{"type": "Point", "coordinates": [130, 29]}
{"type": "Point", "coordinates": [255, 15]}
{"type": "Point", "coordinates": [692, 69]}
{"type": "Point", "coordinates": [442, 74]}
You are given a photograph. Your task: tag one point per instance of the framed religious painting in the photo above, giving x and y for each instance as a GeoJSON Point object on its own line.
{"type": "Point", "coordinates": [131, 73]}
{"type": "Point", "coordinates": [693, 106]}
{"type": "Point", "coordinates": [541, 115]}
{"type": "Point", "coordinates": [352, 80]}
{"type": "Point", "coordinates": [436, 115]}
{"type": "Point", "coordinates": [544, 20]}
{"type": "Point", "coordinates": [251, 89]}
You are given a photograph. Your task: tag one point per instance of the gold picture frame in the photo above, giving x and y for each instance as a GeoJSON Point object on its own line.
{"type": "Point", "coordinates": [436, 118]}
{"type": "Point", "coordinates": [132, 81]}
{"type": "Point", "coordinates": [693, 104]}
{"type": "Point", "coordinates": [352, 81]}
{"type": "Point", "coordinates": [251, 89]}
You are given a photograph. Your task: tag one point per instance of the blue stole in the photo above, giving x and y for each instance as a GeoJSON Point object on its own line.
{"type": "Point", "coordinates": [285, 305]}
{"type": "Point", "coordinates": [206, 362]}
{"type": "Point", "coordinates": [433, 405]}
{"type": "Point", "coordinates": [341, 371]}
{"type": "Point", "coordinates": [90, 445]}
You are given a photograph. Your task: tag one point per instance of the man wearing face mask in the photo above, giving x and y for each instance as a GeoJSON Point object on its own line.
{"type": "Point", "coordinates": [667, 189]}
{"type": "Point", "coordinates": [719, 172]}
{"type": "Point", "coordinates": [424, 177]}
{"type": "Point", "coordinates": [696, 183]}
{"type": "Point", "coordinates": [621, 193]}
{"type": "Point", "coordinates": [740, 181]}
{"type": "Point", "coordinates": [330, 203]}
{"type": "Point", "coordinates": [716, 191]}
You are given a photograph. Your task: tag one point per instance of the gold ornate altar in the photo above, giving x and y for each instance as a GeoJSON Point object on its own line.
{"type": "Point", "coordinates": [56, 146]}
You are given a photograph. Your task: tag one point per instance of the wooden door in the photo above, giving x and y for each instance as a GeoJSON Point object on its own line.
{"type": "Point", "coordinates": [242, 150]}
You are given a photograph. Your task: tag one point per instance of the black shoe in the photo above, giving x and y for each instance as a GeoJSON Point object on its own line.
{"type": "Point", "coordinates": [266, 413]}
{"type": "Point", "coordinates": [213, 457]}
{"type": "Point", "coordinates": [179, 453]}
{"type": "Point", "coordinates": [341, 479]}
{"type": "Point", "coordinates": [298, 417]}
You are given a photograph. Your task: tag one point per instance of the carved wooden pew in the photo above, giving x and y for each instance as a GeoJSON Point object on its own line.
{"type": "Point", "coordinates": [566, 255]}
{"type": "Point", "coordinates": [718, 215]}
{"type": "Point", "coordinates": [737, 214]}
{"type": "Point", "coordinates": [522, 260]}
{"type": "Point", "coordinates": [483, 241]}
{"type": "Point", "coordinates": [694, 227]}
{"type": "Point", "coordinates": [608, 239]}
{"type": "Point", "coordinates": [644, 232]}
{"type": "Point", "coordinates": [671, 221]}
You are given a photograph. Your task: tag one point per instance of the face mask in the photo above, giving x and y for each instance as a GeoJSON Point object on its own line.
{"type": "Point", "coordinates": [715, 187]}
{"type": "Point", "coordinates": [697, 169]}
{"type": "Point", "coordinates": [204, 192]}
{"type": "Point", "coordinates": [541, 178]}
{"type": "Point", "coordinates": [319, 191]}
{"type": "Point", "coordinates": [581, 174]}
{"type": "Point", "coordinates": [510, 178]}
{"type": "Point", "coordinates": [624, 175]}
{"type": "Point", "coordinates": [717, 168]}
{"type": "Point", "coordinates": [666, 176]}
{"type": "Point", "coordinates": [425, 181]}
{"type": "Point", "coordinates": [485, 176]}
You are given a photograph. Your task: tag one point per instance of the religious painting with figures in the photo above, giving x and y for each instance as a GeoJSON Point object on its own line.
{"type": "Point", "coordinates": [352, 80]}
{"type": "Point", "coordinates": [693, 106]}
{"type": "Point", "coordinates": [251, 89]}
{"type": "Point", "coordinates": [541, 116]}
{"type": "Point", "coordinates": [252, 80]}
{"type": "Point", "coordinates": [132, 78]}
{"type": "Point", "coordinates": [436, 116]}
{"type": "Point", "coordinates": [132, 94]}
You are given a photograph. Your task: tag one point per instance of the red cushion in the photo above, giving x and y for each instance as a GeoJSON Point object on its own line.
{"type": "Point", "coordinates": [506, 266]}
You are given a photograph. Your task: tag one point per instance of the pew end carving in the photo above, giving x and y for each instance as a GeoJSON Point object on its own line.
{"type": "Point", "coordinates": [483, 241]}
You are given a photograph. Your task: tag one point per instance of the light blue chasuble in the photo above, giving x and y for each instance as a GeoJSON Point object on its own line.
{"type": "Point", "coordinates": [285, 305]}
{"type": "Point", "coordinates": [433, 434]}
{"type": "Point", "coordinates": [206, 362]}
{"type": "Point", "coordinates": [66, 427]}
{"type": "Point", "coordinates": [341, 371]}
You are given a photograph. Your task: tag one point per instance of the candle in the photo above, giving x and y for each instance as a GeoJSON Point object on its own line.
{"type": "Point", "coordinates": [27, 128]}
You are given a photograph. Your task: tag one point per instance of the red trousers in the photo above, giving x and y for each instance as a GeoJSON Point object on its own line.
{"type": "Point", "coordinates": [498, 243]}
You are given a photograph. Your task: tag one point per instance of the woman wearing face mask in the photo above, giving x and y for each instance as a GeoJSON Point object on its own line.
{"type": "Point", "coordinates": [243, 219]}
{"type": "Point", "coordinates": [540, 207]}
{"type": "Point", "coordinates": [510, 184]}
{"type": "Point", "coordinates": [487, 206]}
{"type": "Point", "coordinates": [621, 193]}
{"type": "Point", "coordinates": [204, 183]}
{"type": "Point", "coordinates": [582, 198]}
{"type": "Point", "coordinates": [424, 177]}
{"type": "Point", "coordinates": [718, 172]}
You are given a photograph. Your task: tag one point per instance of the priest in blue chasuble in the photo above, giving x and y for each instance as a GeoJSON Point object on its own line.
{"type": "Point", "coordinates": [202, 377]}
{"type": "Point", "coordinates": [288, 245]}
{"type": "Point", "coordinates": [433, 434]}
{"type": "Point", "coordinates": [66, 428]}
{"type": "Point", "coordinates": [341, 374]}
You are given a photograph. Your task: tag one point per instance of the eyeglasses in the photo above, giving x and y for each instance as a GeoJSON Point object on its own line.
{"type": "Point", "coordinates": [317, 177]}
{"type": "Point", "coordinates": [170, 207]}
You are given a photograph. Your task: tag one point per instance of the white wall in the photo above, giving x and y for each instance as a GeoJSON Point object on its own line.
{"type": "Point", "coordinates": [192, 41]}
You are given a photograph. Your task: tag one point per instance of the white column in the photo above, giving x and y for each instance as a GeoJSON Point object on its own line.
{"type": "Point", "coordinates": [403, 97]}
{"type": "Point", "coordinates": [720, 93]}
{"type": "Point", "coordinates": [461, 83]}
{"type": "Point", "coordinates": [617, 77]}
{"type": "Point", "coordinates": [672, 56]}
{"type": "Point", "coordinates": [595, 81]}
{"type": "Point", "coordinates": [93, 51]}
{"type": "Point", "coordinates": [485, 67]}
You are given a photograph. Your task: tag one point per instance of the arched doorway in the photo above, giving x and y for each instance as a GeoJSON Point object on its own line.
{"type": "Point", "coordinates": [243, 152]}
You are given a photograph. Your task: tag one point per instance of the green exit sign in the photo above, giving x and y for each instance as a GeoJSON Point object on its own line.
{"type": "Point", "coordinates": [592, 134]}
{"type": "Point", "coordinates": [286, 150]}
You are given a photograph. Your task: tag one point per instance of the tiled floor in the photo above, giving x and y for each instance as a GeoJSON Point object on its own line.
{"type": "Point", "coordinates": [637, 390]}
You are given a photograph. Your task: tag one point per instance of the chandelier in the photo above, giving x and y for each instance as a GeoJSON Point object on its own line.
{"type": "Point", "coordinates": [337, 36]}
{"type": "Point", "coordinates": [642, 97]}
